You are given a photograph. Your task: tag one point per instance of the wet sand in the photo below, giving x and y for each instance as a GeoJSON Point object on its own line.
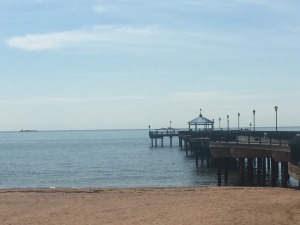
{"type": "Point", "coordinates": [202, 205]}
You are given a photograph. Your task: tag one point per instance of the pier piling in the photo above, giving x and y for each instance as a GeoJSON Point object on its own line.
{"type": "Point", "coordinates": [274, 173]}
{"type": "Point", "coordinates": [226, 161]}
{"type": "Point", "coordinates": [284, 174]}
{"type": "Point", "coordinates": [219, 173]}
{"type": "Point", "coordinates": [241, 166]}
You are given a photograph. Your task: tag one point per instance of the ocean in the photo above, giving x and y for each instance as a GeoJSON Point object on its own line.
{"type": "Point", "coordinates": [97, 159]}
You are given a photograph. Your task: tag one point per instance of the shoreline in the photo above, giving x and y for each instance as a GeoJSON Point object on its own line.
{"type": "Point", "coordinates": [150, 205]}
{"type": "Point", "coordinates": [91, 189]}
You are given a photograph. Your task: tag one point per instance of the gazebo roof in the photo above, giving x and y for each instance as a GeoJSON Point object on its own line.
{"type": "Point", "coordinates": [200, 121]}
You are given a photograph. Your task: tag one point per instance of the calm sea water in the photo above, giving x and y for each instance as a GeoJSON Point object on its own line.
{"type": "Point", "coordinates": [113, 158]}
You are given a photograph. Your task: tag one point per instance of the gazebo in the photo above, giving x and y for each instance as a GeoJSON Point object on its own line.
{"type": "Point", "coordinates": [201, 121]}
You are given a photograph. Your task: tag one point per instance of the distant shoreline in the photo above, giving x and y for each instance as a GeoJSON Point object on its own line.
{"type": "Point", "coordinates": [28, 130]}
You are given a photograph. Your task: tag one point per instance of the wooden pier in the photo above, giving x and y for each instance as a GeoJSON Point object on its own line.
{"type": "Point", "coordinates": [251, 153]}
{"type": "Point", "coordinates": [161, 134]}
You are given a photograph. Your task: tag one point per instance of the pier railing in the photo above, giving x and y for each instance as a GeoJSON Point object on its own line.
{"type": "Point", "coordinates": [258, 137]}
{"type": "Point", "coordinates": [162, 133]}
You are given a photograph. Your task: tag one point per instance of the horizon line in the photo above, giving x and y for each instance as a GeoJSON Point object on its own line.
{"type": "Point", "coordinates": [123, 129]}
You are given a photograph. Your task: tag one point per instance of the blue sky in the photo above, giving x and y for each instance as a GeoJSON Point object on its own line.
{"type": "Point", "coordinates": [126, 64]}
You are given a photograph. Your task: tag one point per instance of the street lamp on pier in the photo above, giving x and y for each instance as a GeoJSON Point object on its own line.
{"type": "Point", "coordinates": [254, 119]}
{"type": "Point", "coordinates": [250, 126]}
{"type": "Point", "coordinates": [228, 122]}
{"type": "Point", "coordinates": [239, 121]}
{"type": "Point", "coordinates": [170, 124]}
{"type": "Point", "coordinates": [219, 123]}
{"type": "Point", "coordinates": [276, 108]}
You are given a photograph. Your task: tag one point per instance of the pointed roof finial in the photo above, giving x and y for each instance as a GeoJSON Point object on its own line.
{"type": "Point", "coordinates": [200, 112]}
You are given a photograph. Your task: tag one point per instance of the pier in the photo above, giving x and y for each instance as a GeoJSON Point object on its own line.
{"type": "Point", "coordinates": [258, 151]}
{"type": "Point", "coordinates": [253, 154]}
{"type": "Point", "coordinates": [160, 134]}
{"type": "Point", "coordinates": [244, 151]}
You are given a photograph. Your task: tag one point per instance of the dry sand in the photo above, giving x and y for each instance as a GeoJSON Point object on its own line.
{"type": "Point", "coordinates": [204, 205]}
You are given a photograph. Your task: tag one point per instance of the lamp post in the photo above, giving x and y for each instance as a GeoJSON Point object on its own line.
{"type": "Point", "coordinates": [276, 108]}
{"type": "Point", "coordinates": [239, 121]}
{"type": "Point", "coordinates": [149, 128]}
{"type": "Point", "coordinates": [170, 124]}
{"type": "Point", "coordinates": [228, 122]}
{"type": "Point", "coordinates": [250, 126]}
{"type": "Point", "coordinates": [254, 119]}
{"type": "Point", "coordinates": [219, 123]}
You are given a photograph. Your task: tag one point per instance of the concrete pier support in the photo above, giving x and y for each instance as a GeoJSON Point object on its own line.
{"type": "Point", "coordinates": [222, 163]}
{"type": "Point", "coordinates": [274, 172]}
{"type": "Point", "coordinates": [226, 165]}
{"type": "Point", "coordinates": [264, 172]}
{"type": "Point", "coordinates": [259, 169]}
{"type": "Point", "coordinates": [284, 174]}
{"type": "Point", "coordinates": [197, 156]}
{"type": "Point", "coordinates": [208, 161]}
{"type": "Point", "coordinates": [162, 142]}
{"type": "Point", "coordinates": [186, 147]}
{"type": "Point", "coordinates": [170, 141]}
{"type": "Point", "coordinates": [202, 151]}
{"type": "Point", "coordinates": [219, 173]}
{"type": "Point", "coordinates": [241, 166]}
{"type": "Point", "coordinates": [250, 169]}
{"type": "Point", "coordinates": [269, 163]}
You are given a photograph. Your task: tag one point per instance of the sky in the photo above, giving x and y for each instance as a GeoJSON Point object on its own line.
{"type": "Point", "coordinates": [122, 64]}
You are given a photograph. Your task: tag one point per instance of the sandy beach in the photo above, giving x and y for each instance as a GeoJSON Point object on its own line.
{"type": "Point", "coordinates": [189, 205]}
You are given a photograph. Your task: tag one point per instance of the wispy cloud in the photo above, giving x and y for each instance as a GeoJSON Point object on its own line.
{"type": "Point", "coordinates": [232, 5]}
{"type": "Point", "coordinates": [270, 4]}
{"type": "Point", "coordinates": [37, 42]}
{"type": "Point", "coordinates": [71, 100]}
{"type": "Point", "coordinates": [212, 96]}
{"type": "Point", "coordinates": [102, 8]}
{"type": "Point", "coordinates": [97, 34]}
{"type": "Point", "coordinates": [164, 41]}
